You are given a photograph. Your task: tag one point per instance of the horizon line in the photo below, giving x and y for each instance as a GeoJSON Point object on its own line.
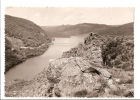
{"type": "Point", "coordinates": [72, 24]}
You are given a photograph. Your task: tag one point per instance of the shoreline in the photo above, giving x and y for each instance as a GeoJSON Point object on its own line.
{"type": "Point", "coordinates": [42, 51]}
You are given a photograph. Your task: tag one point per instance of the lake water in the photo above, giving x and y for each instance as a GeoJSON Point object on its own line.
{"type": "Point", "coordinates": [32, 66]}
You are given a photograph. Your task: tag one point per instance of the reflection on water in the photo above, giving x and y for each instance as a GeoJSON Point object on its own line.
{"type": "Point", "coordinates": [31, 67]}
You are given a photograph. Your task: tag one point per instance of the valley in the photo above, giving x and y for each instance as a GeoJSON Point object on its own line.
{"type": "Point", "coordinates": [82, 60]}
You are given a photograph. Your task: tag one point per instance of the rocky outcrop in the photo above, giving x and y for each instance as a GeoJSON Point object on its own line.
{"type": "Point", "coordinates": [90, 50]}
{"type": "Point", "coordinates": [75, 77]}
{"type": "Point", "coordinates": [65, 77]}
{"type": "Point", "coordinates": [96, 48]}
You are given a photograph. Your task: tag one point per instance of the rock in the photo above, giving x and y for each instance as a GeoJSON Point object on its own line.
{"type": "Point", "coordinates": [64, 77]}
{"type": "Point", "coordinates": [90, 51]}
{"type": "Point", "coordinates": [129, 93]}
{"type": "Point", "coordinates": [117, 80]}
{"type": "Point", "coordinates": [51, 60]}
{"type": "Point", "coordinates": [71, 77]}
{"type": "Point", "coordinates": [38, 87]}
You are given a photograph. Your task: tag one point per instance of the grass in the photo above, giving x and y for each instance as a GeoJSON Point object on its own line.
{"type": "Point", "coordinates": [125, 81]}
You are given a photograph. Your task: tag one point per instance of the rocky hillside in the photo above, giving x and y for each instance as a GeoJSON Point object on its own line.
{"type": "Point", "coordinates": [112, 53]}
{"type": "Point", "coordinates": [102, 66]}
{"type": "Point", "coordinates": [23, 39]}
{"type": "Point", "coordinates": [69, 77]}
{"type": "Point", "coordinates": [71, 30]}
{"type": "Point", "coordinates": [105, 50]}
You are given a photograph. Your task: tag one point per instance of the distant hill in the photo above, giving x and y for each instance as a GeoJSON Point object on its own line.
{"type": "Point", "coordinates": [71, 30]}
{"type": "Point", "coordinates": [23, 39]}
{"type": "Point", "coordinates": [84, 28]}
{"type": "Point", "coordinates": [25, 30]}
{"type": "Point", "coordinates": [121, 30]}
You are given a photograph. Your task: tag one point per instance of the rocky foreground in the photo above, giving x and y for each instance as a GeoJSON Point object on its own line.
{"type": "Point", "coordinates": [67, 77]}
{"type": "Point", "coordinates": [81, 72]}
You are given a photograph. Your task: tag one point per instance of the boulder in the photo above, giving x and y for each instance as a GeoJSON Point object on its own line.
{"type": "Point", "coordinates": [75, 77]}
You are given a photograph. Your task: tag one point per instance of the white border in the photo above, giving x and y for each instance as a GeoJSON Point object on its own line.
{"type": "Point", "coordinates": [76, 3]}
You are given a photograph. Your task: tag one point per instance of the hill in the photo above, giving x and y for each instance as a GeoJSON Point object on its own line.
{"type": "Point", "coordinates": [84, 28]}
{"type": "Point", "coordinates": [23, 39]}
{"type": "Point", "coordinates": [121, 30]}
{"type": "Point", "coordinates": [71, 30]}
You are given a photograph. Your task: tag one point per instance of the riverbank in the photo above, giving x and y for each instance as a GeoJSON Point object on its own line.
{"type": "Point", "coordinates": [22, 54]}
{"type": "Point", "coordinates": [34, 65]}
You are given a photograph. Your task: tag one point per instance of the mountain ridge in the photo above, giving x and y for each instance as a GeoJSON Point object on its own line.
{"type": "Point", "coordinates": [121, 30]}
{"type": "Point", "coordinates": [85, 28]}
{"type": "Point", "coordinates": [69, 30]}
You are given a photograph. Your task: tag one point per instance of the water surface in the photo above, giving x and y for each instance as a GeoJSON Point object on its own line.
{"type": "Point", "coordinates": [32, 66]}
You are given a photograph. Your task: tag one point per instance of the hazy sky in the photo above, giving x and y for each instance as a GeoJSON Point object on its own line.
{"type": "Point", "coordinates": [58, 16]}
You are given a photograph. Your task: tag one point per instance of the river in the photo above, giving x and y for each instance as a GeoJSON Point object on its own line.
{"type": "Point", "coordinates": [32, 66]}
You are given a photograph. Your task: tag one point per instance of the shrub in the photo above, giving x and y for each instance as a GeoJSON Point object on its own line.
{"type": "Point", "coordinates": [118, 52]}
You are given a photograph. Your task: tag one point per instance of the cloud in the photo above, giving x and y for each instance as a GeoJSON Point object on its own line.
{"type": "Point", "coordinates": [59, 16]}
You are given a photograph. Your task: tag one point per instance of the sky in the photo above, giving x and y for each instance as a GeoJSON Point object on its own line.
{"type": "Point", "coordinates": [62, 16]}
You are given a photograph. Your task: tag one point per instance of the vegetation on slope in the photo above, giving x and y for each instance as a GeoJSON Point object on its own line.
{"type": "Point", "coordinates": [23, 39]}
{"type": "Point", "coordinates": [84, 28]}
{"type": "Point", "coordinates": [118, 52]}
{"type": "Point", "coordinates": [121, 30]}
{"type": "Point", "coordinates": [71, 30]}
